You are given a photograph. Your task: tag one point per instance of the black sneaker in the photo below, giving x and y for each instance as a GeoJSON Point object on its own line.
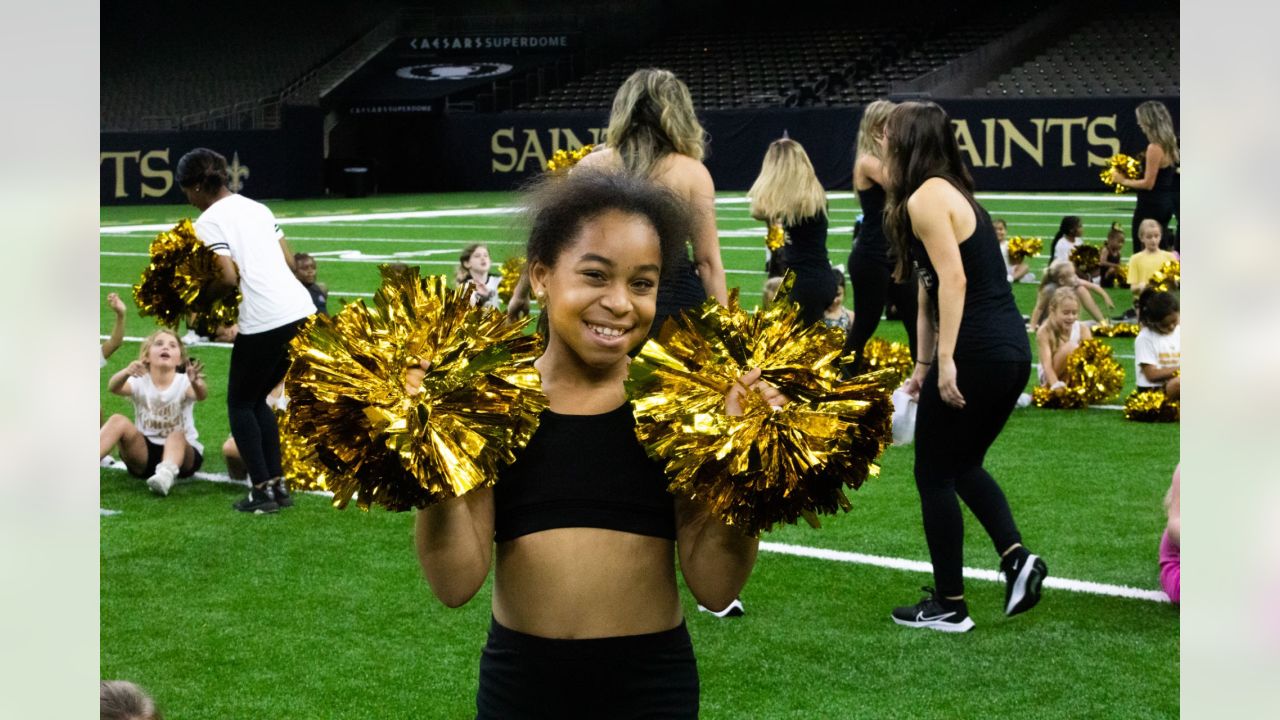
{"type": "Point", "coordinates": [1023, 574]}
{"type": "Point", "coordinates": [935, 613]}
{"type": "Point", "coordinates": [280, 494]}
{"type": "Point", "coordinates": [258, 501]}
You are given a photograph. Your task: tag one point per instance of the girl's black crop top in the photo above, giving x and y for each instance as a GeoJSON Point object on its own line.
{"type": "Point", "coordinates": [583, 471]}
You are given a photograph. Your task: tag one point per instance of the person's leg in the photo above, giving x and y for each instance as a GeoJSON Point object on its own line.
{"type": "Point", "coordinates": [1060, 358]}
{"type": "Point", "coordinates": [231, 455]}
{"type": "Point", "coordinates": [120, 430]}
{"type": "Point", "coordinates": [1173, 388]}
{"type": "Point", "coordinates": [1086, 299]}
{"type": "Point", "coordinates": [870, 281]}
{"type": "Point", "coordinates": [938, 427]}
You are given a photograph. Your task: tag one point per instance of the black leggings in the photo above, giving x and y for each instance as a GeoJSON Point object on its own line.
{"type": "Point", "coordinates": [950, 447]}
{"type": "Point", "coordinates": [258, 364]}
{"type": "Point", "coordinates": [872, 285]}
{"type": "Point", "coordinates": [634, 676]}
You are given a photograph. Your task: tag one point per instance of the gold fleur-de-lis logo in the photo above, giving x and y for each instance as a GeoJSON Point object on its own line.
{"type": "Point", "coordinates": [236, 173]}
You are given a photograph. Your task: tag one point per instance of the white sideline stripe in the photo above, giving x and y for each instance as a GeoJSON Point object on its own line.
{"type": "Point", "coordinates": [1085, 586]}
{"type": "Point", "coordinates": [331, 292]}
{"type": "Point", "coordinates": [474, 212]}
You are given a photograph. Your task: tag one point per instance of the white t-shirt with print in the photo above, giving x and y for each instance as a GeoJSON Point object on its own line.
{"type": "Point", "coordinates": [1152, 348]}
{"type": "Point", "coordinates": [158, 412]}
{"type": "Point", "coordinates": [247, 231]}
{"type": "Point", "coordinates": [1062, 249]}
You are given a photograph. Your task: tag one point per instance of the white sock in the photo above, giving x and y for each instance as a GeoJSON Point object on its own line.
{"type": "Point", "coordinates": [167, 470]}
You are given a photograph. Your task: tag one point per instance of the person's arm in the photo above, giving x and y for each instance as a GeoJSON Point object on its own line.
{"type": "Point", "coordinates": [288, 255]}
{"type": "Point", "coordinates": [1037, 310]}
{"type": "Point", "coordinates": [518, 305]}
{"type": "Point", "coordinates": [454, 540]}
{"type": "Point", "coordinates": [926, 337]}
{"type": "Point", "coordinates": [1150, 168]}
{"type": "Point", "coordinates": [706, 243]}
{"type": "Point", "coordinates": [1106, 297]}
{"type": "Point", "coordinates": [1085, 333]}
{"type": "Point", "coordinates": [199, 390]}
{"type": "Point", "coordinates": [119, 384]}
{"type": "Point", "coordinates": [931, 221]}
{"type": "Point", "coordinates": [1155, 373]}
{"type": "Point", "coordinates": [716, 559]}
{"type": "Point", "coordinates": [117, 331]}
{"type": "Point", "coordinates": [1046, 356]}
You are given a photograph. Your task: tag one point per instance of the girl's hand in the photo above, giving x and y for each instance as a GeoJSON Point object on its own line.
{"type": "Point", "coordinates": [195, 371]}
{"type": "Point", "coordinates": [916, 381]}
{"type": "Point", "coordinates": [482, 290]}
{"type": "Point", "coordinates": [116, 304]}
{"type": "Point", "coordinates": [751, 382]}
{"type": "Point", "coordinates": [947, 384]}
{"type": "Point", "coordinates": [136, 369]}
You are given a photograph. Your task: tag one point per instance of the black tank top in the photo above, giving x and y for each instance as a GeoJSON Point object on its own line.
{"type": "Point", "coordinates": [871, 242]}
{"type": "Point", "coordinates": [583, 471]}
{"type": "Point", "coordinates": [991, 329]}
{"type": "Point", "coordinates": [807, 249]}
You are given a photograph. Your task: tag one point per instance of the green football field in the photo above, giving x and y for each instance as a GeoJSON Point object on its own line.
{"type": "Point", "coordinates": [320, 613]}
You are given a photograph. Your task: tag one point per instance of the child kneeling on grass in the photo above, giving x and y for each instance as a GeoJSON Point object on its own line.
{"type": "Point", "coordinates": [160, 444]}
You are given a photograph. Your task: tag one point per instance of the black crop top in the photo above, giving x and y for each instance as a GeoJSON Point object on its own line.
{"type": "Point", "coordinates": [584, 471]}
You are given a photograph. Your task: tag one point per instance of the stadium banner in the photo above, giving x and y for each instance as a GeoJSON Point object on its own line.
{"type": "Point", "coordinates": [1042, 144]}
{"type": "Point", "coordinates": [137, 168]}
{"type": "Point", "coordinates": [415, 75]}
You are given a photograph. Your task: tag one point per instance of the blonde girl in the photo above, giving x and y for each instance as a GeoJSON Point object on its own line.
{"type": "Point", "coordinates": [787, 193]}
{"type": "Point", "coordinates": [1058, 335]}
{"type": "Point", "coordinates": [1062, 273]}
{"type": "Point", "coordinates": [160, 443]}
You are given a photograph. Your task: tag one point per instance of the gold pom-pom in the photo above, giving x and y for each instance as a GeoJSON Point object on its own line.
{"type": "Point", "coordinates": [765, 466]}
{"type": "Point", "coordinates": [512, 267]}
{"type": "Point", "coordinates": [1167, 278]}
{"type": "Point", "coordinates": [879, 354]}
{"type": "Point", "coordinates": [775, 238]}
{"type": "Point", "coordinates": [562, 160]}
{"type": "Point", "coordinates": [1129, 167]}
{"type": "Point", "coordinates": [1150, 406]}
{"type": "Point", "coordinates": [178, 281]}
{"type": "Point", "coordinates": [1092, 375]}
{"type": "Point", "coordinates": [1115, 330]}
{"type": "Point", "coordinates": [355, 427]}
{"type": "Point", "coordinates": [1122, 275]}
{"type": "Point", "coordinates": [1021, 248]}
{"type": "Point", "coordinates": [1085, 258]}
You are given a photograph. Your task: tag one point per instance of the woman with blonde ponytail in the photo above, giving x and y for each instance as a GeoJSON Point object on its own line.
{"type": "Point", "coordinates": [653, 133]}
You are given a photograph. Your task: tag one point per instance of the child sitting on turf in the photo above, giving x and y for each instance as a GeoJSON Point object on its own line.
{"type": "Point", "coordinates": [473, 267]}
{"type": "Point", "coordinates": [1145, 264]}
{"type": "Point", "coordinates": [1070, 236]}
{"type": "Point", "coordinates": [1157, 351]}
{"type": "Point", "coordinates": [1062, 273]}
{"type": "Point", "coordinates": [1109, 259]}
{"type": "Point", "coordinates": [1059, 334]}
{"type": "Point", "coordinates": [1015, 272]}
{"type": "Point", "coordinates": [837, 315]}
{"type": "Point", "coordinates": [164, 387]}
{"type": "Point", "coordinates": [304, 268]}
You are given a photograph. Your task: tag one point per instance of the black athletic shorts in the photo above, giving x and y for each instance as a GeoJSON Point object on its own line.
{"type": "Point", "coordinates": [634, 676]}
{"type": "Point", "coordinates": [155, 455]}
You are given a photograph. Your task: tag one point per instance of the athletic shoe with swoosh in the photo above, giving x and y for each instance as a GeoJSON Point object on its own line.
{"type": "Point", "coordinates": [935, 613]}
{"type": "Point", "coordinates": [1024, 573]}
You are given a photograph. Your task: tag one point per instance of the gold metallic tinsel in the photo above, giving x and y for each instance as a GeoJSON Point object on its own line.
{"type": "Point", "coordinates": [1092, 376]}
{"type": "Point", "coordinates": [562, 160]}
{"type": "Point", "coordinates": [1021, 248]}
{"type": "Point", "coordinates": [177, 280]}
{"type": "Point", "coordinates": [511, 270]}
{"type": "Point", "coordinates": [766, 466]}
{"type": "Point", "coordinates": [1129, 167]}
{"type": "Point", "coordinates": [880, 354]}
{"type": "Point", "coordinates": [1168, 277]}
{"type": "Point", "coordinates": [775, 238]}
{"type": "Point", "coordinates": [1115, 330]}
{"type": "Point", "coordinates": [1085, 258]}
{"type": "Point", "coordinates": [352, 427]}
{"type": "Point", "coordinates": [1122, 275]}
{"type": "Point", "coordinates": [1150, 406]}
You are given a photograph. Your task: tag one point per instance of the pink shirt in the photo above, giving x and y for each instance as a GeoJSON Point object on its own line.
{"type": "Point", "coordinates": [1170, 568]}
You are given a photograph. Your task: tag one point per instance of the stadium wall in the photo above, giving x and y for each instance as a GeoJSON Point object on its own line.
{"type": "Point", "coordinates": [137, 168]}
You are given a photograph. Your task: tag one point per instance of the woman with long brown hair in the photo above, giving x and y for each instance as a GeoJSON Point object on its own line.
{"type": "Point", "coordinates": [973, 361]}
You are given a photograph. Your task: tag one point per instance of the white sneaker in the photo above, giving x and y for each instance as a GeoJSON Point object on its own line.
{"type": "Point", "coordinates": [1028, 278]}
{"type": "Point", "coordinates": [108, 461]}
{"type": "Point", "coordinates": [163, 479]}
{"type": "Point", "coordinates": [1024, 400]}
{"type": "Point", "coordinates": [191, 338]}
{"type": "Point", "coordinates": [733, 610]}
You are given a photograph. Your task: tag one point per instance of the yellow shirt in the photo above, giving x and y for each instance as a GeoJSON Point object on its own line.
{"type": "Point", "coordinates": [1145, 264]}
